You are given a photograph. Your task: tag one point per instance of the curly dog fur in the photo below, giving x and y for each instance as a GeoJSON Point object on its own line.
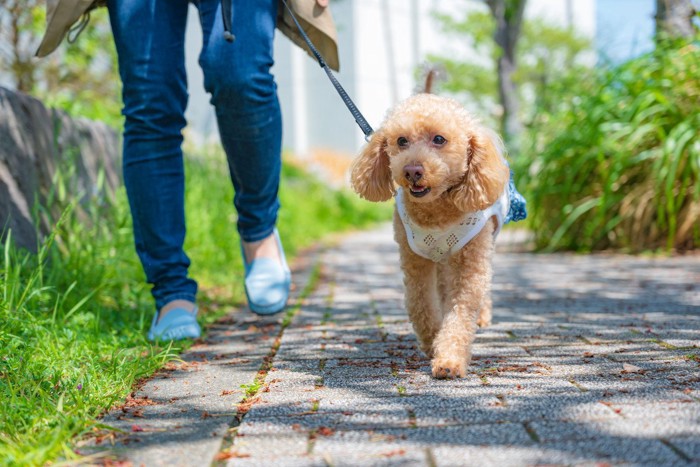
{"type": "Point", "coordinates": [447, 164]}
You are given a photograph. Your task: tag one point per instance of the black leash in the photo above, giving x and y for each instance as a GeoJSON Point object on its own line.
{"type": "Point", "coordinates": [359, 119]}
{"type": "Point", "coordinates": [226, 13]}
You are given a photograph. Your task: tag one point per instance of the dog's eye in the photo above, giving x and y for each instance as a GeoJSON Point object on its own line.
{"type": "Point", "coordinates": [439, 140]}
{"type": "Point", "coordinates": [402, 142]}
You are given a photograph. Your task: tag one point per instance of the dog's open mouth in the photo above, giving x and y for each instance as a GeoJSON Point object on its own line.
{"type": "Point", "coordinates": [419, 191]}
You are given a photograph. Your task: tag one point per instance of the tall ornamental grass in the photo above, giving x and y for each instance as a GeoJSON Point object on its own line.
{"type": "Point", "coordinates": [617, 165]}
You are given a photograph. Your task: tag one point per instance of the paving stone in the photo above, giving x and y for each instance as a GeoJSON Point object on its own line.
{"type": "Point", "coordinates": [258, 444]}
{"type": "Point", "coordinates": [574, 453]}
{"type": "Point", "coordinates": [285, 460]}
{"type": "Point", "coordinates": [689, 447]}
{"type": "Point", "coordinates": [379, 417]}
{"type": "Point", "coordinates": [385, 455]}
{"type": "Point", "coordinates": [523, 385]}
{"type": "Point", "coordinates": [375, 443]}
{"type": "Point", "coordinates": [342, 374]}
{"type": "Point", "coordinates": [685, 413]}
{"type": "Point", "coordinates": [330, 350]}
{"type": "Point", "coordinates": [622, 428]}
{"type": "Point", "coordinates": [500, 456]}
{"type": "Point", "coordinates": [615, 450]}
{"type": "Point", "coordinates": [361, 391]}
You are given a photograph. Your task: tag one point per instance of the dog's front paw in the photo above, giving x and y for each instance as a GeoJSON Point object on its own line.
{"type": "Point", "coordinates": [449, 368]}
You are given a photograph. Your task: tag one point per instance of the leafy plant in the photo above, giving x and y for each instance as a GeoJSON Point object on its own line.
{"type": "Point", "coordinates": [252, 388]}
{"type": "Point", "coordinates": [616, 163]}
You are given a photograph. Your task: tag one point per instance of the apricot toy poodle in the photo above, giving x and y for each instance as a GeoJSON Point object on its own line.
{"type": "Point", "coordinates": [450, 179]}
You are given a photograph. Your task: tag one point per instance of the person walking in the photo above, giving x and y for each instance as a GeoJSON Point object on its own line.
{"type": "Point", "coordinates": [236, 58]}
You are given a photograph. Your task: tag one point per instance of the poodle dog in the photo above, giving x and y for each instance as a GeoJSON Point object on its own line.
{"type": "Point", "coordinates": [450, 180]}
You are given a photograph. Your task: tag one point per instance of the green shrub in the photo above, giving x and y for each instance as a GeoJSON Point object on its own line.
{"type": "Point", "coordinates": [617, 164]}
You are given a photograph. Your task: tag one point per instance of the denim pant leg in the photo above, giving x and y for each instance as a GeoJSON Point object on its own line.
{"type": "Point", "coordinates": [244, 94]}
{"type": "Point", "coordinates": [149, 37]}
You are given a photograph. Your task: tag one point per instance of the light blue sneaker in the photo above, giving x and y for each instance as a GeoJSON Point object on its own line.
{"type": "Point", "coordinates": [267, 282]}
{"type": "Point", "coordinates": [178, 324]}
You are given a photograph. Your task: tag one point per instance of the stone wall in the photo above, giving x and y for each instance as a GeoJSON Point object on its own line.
{"type": "Point", "coordinates": [35, 143]}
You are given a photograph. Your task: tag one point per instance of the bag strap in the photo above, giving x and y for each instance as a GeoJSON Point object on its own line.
{"type": "Point", "coordinates": [227, 16]}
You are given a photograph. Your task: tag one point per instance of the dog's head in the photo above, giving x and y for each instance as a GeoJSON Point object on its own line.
{"type": "Point", "coordinates": [434, 149]}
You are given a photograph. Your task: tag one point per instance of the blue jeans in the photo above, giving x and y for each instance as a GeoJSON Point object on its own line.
{"type": "Point", "coordinates": [149, 37]}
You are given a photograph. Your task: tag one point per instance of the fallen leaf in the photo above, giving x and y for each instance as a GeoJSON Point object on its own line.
{"type": "Point", "coordinates": [610, 405]}
{"type": "Point", "coordinates": [116, 463]}
{"type": "Point", "coordinates": [629, 368]}
{"type": "Point", "coordinates": [325, 431]}
{"type": "Point", "coordinates": [223, 455]}
{"type": "Point", "coordinates": [136, 428]}
{"type": "Point", "coordinates": [397, 452]}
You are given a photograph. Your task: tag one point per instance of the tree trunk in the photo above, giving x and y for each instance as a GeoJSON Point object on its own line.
{"type": "Point", "coordinates": [674, 19]}
{"type": "Point", "coordinates": [14, 44]}
{"type": "Point", "coordinates": [509, 17]}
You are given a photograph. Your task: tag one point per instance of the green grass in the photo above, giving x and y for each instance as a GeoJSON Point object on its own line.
{"type": "Point", "coordinates": [71, 336]}
{"type": "Point", "coordinates": [252, 388]}
{"type": "Point", "coordinates": [73, 317]}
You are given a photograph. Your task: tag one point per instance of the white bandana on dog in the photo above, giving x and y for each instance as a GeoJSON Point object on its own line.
{"type": "Point", "coordinates": [436, 244]}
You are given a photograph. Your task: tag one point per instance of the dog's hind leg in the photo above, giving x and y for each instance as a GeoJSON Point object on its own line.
{"type": "Point", "coordinates": [485, 312]}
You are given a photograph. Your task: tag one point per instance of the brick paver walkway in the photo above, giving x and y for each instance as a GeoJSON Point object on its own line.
{"type": "Point", "coordinates": [590, 360]}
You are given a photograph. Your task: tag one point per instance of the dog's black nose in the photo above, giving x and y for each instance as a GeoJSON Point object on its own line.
{"type": "Point", "coordinates": [413, 173]}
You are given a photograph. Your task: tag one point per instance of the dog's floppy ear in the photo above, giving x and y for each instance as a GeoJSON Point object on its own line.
{"type": "Point", "coordinates": [370, 176]}
{"type": "Point", "coordinates": [486, 176]}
